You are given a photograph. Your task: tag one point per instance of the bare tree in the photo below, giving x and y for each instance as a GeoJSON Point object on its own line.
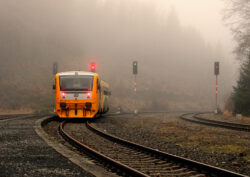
{"type": "Point", "coordinates": [237, 16]}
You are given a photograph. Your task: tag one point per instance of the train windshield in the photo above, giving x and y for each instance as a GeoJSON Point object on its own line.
{"type": "Point", "coordinates": [76, 83]}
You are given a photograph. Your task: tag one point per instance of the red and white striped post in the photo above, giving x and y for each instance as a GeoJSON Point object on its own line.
{"type": "Point", "coordinates": [135, 95]}
{"type": "Point", "coordinates": [216, 96]}
{"type": "Point", "coordinates": [135, 85]}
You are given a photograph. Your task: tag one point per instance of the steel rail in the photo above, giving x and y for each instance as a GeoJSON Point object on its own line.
{"type": "Point", "coordinates": [141, 112]}
{"type": "Point", "coordinates": [10, 117]}
{"type": "Point", "coordinates": [243, 127]}
{"type": "Point", "coordinates": [98, 155]}
{"type": "Point", "coordinates": [198, 166]}
{"type": "Point", "coordinates": [229, 125]}
{"type": "Point", "coordinates": [194, 165]}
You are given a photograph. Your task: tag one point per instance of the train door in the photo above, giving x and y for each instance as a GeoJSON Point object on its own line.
{"type": "Point", "coordinates": [99, 96]}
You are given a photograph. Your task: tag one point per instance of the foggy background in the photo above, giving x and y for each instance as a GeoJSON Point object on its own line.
{"type": "Point", "coordinates": [175, 43]}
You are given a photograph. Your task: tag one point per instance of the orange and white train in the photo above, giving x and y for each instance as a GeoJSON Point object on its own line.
{"type": "Point", "coordinates": [80, 94]}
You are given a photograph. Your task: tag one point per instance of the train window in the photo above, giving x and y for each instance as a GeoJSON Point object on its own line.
{"type": "Point", "coordinates": [76, 83]}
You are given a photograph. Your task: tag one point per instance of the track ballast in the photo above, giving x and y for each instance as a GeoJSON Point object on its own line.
{"type": "Point", "coordinates": [131, 159]}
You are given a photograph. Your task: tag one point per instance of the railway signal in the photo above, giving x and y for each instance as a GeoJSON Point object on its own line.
{"type": "Point", "coordinates": [55, 66]}
{"type": "Point", "coordinates": [135, 72]}
{"type": "Point", "coordinates": [216, 68]}
{"type": "Point", "coordinates": [92, 66]}
{"type": "Point", "coordinates": [216, 72]}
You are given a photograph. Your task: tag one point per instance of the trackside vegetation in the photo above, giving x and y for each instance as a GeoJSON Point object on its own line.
{"type": "Point", "coordinates": [238, 17]}
{"type": "Point", "coordinates": [241, 95]}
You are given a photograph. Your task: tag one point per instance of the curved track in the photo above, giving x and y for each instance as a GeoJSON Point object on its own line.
{"type": "Point", "coordinates": [7, 117]}
{"type": "Point", "coordinates": [131, 159]}
{"type": "Point", "coordinates": [196, 118]}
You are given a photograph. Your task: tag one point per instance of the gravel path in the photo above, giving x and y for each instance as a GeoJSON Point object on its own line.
{"type": "Point", "coordinates": [24, 153]}
{"type": "Point", "coordinates": [216, 146]}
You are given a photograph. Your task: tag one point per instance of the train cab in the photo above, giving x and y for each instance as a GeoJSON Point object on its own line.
{"type": "Point", "coordinates": [80, 94]}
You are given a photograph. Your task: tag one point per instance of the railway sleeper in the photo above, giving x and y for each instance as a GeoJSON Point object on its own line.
{"type": "Point", "coordinates": [132, 155]}
{"type": "Point", "coordinates": [150, 164]}
{"type": "Point", "coordinates": [132, 162]}
{"type": "Point", "coordinates": [173, 174]}
{"type": "Point", "coordinates": [135, 161]}
{"type": "Point", "coordinates": [157, 167]}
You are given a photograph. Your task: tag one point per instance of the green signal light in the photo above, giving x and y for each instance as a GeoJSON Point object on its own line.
{"type": "Point", "coordinates": [135, 65]}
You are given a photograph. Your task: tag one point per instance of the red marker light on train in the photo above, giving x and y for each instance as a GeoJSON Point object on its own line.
{"type": "Point", "coordinates": [63, 94]}
{"type": "Point", "coordinates": [88, 95]}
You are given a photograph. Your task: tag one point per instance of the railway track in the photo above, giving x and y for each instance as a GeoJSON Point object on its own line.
{"type": "Point", "coordinates": [131, 159]}
{"type": "Point", "coordinates": [196, 118]}
{"type": "Point", "coordinates": [7, 117]}
{"type": "Point", "coordinates": [10, 117]}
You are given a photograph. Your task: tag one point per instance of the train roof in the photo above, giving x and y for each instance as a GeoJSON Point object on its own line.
{"type": "Point", "coordinates": [69, 73]}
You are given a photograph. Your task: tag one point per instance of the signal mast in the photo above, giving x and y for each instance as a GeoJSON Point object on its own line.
{"type": "Point", "coordinates": [216, 73]}
{"type": "Point", "coordinates": [135, 72]}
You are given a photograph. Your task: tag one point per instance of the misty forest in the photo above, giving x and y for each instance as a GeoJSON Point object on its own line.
{"type": "Point", "coordinates": [175, 62]}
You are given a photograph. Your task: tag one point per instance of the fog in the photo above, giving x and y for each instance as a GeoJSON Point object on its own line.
{"type": "Point", "coordinates": [175, 43]}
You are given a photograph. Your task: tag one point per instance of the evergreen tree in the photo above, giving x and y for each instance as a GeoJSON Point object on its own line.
{"type": "Point", "coordinates": [241, 95]}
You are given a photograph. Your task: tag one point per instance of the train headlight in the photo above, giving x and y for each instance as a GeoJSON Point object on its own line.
{"type": "Point", "coordinates": [88, 94]}
{"type": "Point", "coordinates": [63, 94]}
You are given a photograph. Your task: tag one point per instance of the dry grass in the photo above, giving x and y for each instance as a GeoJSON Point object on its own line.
{"type": "Point", "coordinates": [226, 149]}
{"type": "Point", "coordinates": [190, 136]}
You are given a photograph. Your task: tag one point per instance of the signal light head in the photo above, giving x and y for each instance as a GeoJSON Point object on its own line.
{"type": "Point", "coordinates": [135, 69]}
{"type": "Point", "coordinates": [92, 66]}
{"type": "Point", "coordinates": [216, 68]}
{"type": "Point", "coordinates": [55, 68]}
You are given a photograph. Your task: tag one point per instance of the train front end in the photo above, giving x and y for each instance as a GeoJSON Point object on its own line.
{"type": "Point", "coordinates": [76, 94]}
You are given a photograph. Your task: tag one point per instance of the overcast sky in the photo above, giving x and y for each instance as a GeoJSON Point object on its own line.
{"type": "Point", "coordinates": [204, 15]}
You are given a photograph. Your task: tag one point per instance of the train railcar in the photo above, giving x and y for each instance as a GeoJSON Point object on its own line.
{"type": "Point", "coordinates": [80, 94]}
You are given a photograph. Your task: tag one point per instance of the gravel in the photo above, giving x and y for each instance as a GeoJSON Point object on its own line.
{"type": "Point", "coordinates": [23, 153]}
{"type": "Point", "coordinates": [96, 168]}
{"type": "Point", "coordinates": [219, 147]}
